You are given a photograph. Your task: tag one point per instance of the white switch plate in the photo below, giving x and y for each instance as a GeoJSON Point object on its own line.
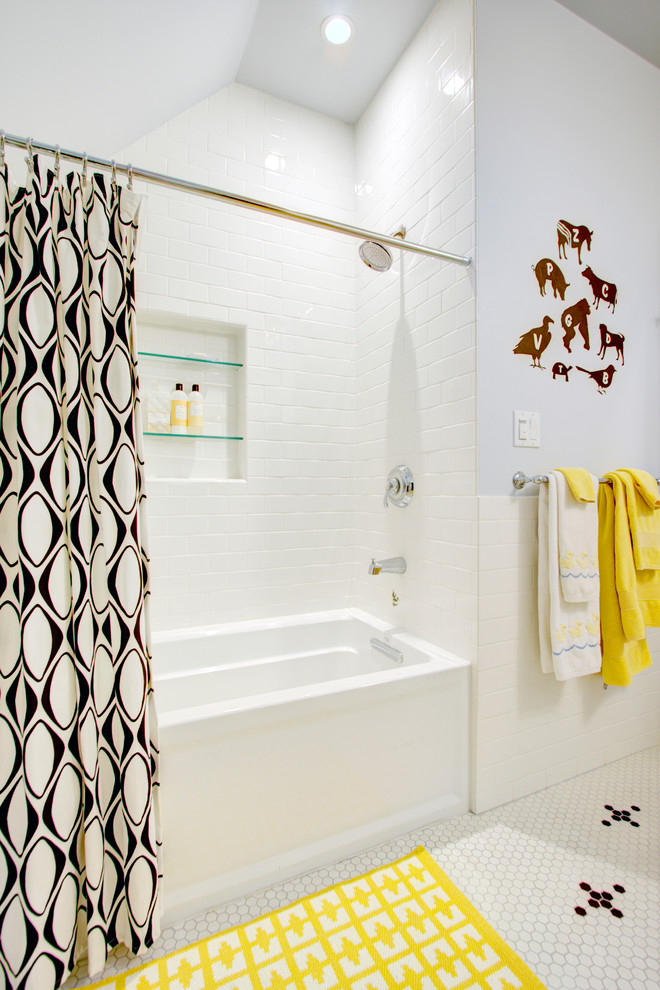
{"type": "Point", "coordinates": [526, 429]}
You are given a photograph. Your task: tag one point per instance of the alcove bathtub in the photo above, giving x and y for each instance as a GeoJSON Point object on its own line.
{"type": "Point", "coordinates": [289, 743]}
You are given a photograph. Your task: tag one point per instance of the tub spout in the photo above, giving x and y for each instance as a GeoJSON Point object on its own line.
{"type": "Point", "coordinates": [391, 565]}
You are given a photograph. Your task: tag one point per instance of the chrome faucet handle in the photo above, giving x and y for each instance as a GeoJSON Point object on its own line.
{"type": "Point", "coordinates": [399, 487]}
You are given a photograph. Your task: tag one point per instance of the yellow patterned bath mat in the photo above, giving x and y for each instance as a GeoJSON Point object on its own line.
{"type": "Point", "coordinates": [403, 926]}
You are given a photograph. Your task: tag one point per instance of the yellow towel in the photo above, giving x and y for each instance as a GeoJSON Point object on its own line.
{"type": "Point", "coordinates": [580, 483]}
{"type": "Point", "coordinates": [622, 657]}
{"type": "Point", "coordinates": [643, 503]}
{"type": "Point", "coordinates": [625, 575]}
{"type": "Point", "coordinates": [638, 590]}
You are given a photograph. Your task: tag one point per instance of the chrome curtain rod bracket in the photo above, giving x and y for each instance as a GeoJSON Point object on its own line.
{"type": "Point", "coordinates": [244, 201]}
{"type": "Point", "coordinates": [520, 479]}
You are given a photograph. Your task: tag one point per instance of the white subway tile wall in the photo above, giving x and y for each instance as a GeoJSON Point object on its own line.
{"type": "Point", "coordinates": [416, 344]}
{"type": "Point", "coordinates": [282, 540]}
{"type": "Point", "coordinates": [348, 372]}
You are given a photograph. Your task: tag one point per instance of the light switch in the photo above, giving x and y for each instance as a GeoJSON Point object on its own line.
{"type": "Point", "coordinates": [526, 429]}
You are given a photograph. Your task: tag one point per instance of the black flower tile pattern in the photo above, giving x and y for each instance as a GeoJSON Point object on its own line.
{"type": "Point", "coordinates": [601, 899]}
{"type": "Point", "coordinates": [622, 816]}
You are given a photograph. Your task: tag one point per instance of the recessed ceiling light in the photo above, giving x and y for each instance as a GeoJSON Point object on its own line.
{"type": "Point", "coordinates": [337, 29]}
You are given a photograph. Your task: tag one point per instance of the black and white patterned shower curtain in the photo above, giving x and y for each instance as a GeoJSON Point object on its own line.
{"type": "Point", "coordinates": [79, 826]}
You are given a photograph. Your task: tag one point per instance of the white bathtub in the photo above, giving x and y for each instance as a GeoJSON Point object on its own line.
{"type": "Point", "coordinates": [290, 743]}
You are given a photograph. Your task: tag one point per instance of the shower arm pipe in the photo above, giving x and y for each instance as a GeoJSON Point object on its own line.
{"type": "Point", "coordinates": [234, 199]}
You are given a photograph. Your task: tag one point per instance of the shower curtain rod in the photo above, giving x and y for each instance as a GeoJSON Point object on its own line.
{"type": "Point", "coordinates": [236, 200]}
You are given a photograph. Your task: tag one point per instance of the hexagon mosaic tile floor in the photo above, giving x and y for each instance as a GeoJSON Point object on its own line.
{"type": "Point", "coordinates": [569, 877]}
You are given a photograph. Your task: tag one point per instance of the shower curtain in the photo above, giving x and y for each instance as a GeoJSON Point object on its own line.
{"type": "Point", "coordinates": [79, 827]}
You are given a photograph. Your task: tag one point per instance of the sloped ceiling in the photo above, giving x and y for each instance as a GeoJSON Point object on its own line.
{"type": "Point", "coordinates": [633, 23]}
{"type": "Point", "coordinates": [95, 76]}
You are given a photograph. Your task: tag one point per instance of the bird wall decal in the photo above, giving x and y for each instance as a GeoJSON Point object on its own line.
{"type": "Point", "coordinates": [602, 378]}
{"type": "Point", "coordinates": [534, 342]}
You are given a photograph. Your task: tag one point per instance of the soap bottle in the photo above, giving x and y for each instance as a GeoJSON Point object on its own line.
{"type": "Point", "coordinates": [195, 411]}
{"type": "Point", "coordinates": [179, 410]}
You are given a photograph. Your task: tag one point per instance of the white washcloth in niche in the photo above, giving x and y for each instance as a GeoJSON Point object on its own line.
{"type": "Point", "coordinates": [569, 632]}
{"type": "Point", "coordinates": [577, 526]}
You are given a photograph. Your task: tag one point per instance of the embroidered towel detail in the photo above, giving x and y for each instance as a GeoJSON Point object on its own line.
{"type": "Point", "coordinates": [577, 531]}
{"type": "Point", "coordinates": [569, 632]}
{"type": "Point", "coordinates": [582, 484]}
{"type": "Point", "coordinates": [643, 502]}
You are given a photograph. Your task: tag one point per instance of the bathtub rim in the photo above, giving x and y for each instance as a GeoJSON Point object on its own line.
{"type": "Point", "coordinates": [436, 660]}
{"type": "Point", "coordinates": [309, 619]}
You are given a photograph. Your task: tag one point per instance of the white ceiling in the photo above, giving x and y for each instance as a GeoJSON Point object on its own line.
{"type": "Point", "coordinates": [95, 76]}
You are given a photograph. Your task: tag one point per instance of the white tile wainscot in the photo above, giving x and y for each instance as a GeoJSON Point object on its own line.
{"type": "Point", "coordinates": [529, 730]}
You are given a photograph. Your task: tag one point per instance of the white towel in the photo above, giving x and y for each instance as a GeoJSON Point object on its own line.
{"type": "Point", "coordinates": [569, 632]}
{"type": "Point", "coordinates": [577, 527]}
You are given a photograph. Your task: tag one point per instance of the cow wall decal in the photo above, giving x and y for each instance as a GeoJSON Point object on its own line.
{"type": "Point", "coordinates": [572, 235]}
{"type": "Point", "coordinates": [572, 314]}
{"type": "Point", "coordinates": [601, 289]}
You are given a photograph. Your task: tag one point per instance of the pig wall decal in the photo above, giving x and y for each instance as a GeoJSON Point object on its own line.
{"type": "Point", "coordinates": [547, 270]}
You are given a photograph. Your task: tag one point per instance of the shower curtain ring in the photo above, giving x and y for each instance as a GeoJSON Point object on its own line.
{"type": "Point", "coordinates": [30, 154]}
{"type": "Point", "coordinates": [2, 148]}
{"type": "Point", "coordinates": [84, 169]}
{"type": "Point", "coordinates": [114, 175]}
{"type": "Point", "coordinates": [130, 176]}
{"type": "Point", "coordinates": [57, 162]}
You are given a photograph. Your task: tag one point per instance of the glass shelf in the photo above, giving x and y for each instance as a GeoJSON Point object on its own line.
{"type": "Point", "coordinates": [180, 357]}
{"type": "Point", "coordinates": [190, 436]}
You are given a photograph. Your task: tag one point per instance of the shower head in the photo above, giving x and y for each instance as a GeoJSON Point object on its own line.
{"type": "Point", "coordinates": [376, 255]}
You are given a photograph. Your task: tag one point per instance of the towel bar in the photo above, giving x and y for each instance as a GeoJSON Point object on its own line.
{"type": "Point", "coordinates": [520, 479]}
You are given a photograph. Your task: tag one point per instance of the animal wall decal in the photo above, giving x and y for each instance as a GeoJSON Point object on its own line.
{"type": "Point", "coordinates": [575, 318]}
{"type": "Point", "coordinates": [608, 339]}
{"type": "Point", "coordinates": [547, 270]}
{"type": "Point", "coordinates": [601, 289]}
{"type": "Point", "coordinates": [602, 378]}
{"type": "Point", "coordinates": [572, 238]}
{"type": "Point", "coordinates": [560, 370]}
{"type": "Point", "coordinates": [534, 342]}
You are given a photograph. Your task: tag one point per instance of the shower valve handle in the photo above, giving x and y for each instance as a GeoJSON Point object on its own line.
{"type": "Point", "coordinates": [399, 486]}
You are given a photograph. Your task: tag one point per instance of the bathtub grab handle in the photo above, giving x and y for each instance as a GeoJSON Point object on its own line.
{"type": "Point", "coordinates": [389, 651]}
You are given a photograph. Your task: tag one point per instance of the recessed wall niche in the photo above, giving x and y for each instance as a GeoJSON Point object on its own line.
{"type": "Point", "coordinates": [192, 351]}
